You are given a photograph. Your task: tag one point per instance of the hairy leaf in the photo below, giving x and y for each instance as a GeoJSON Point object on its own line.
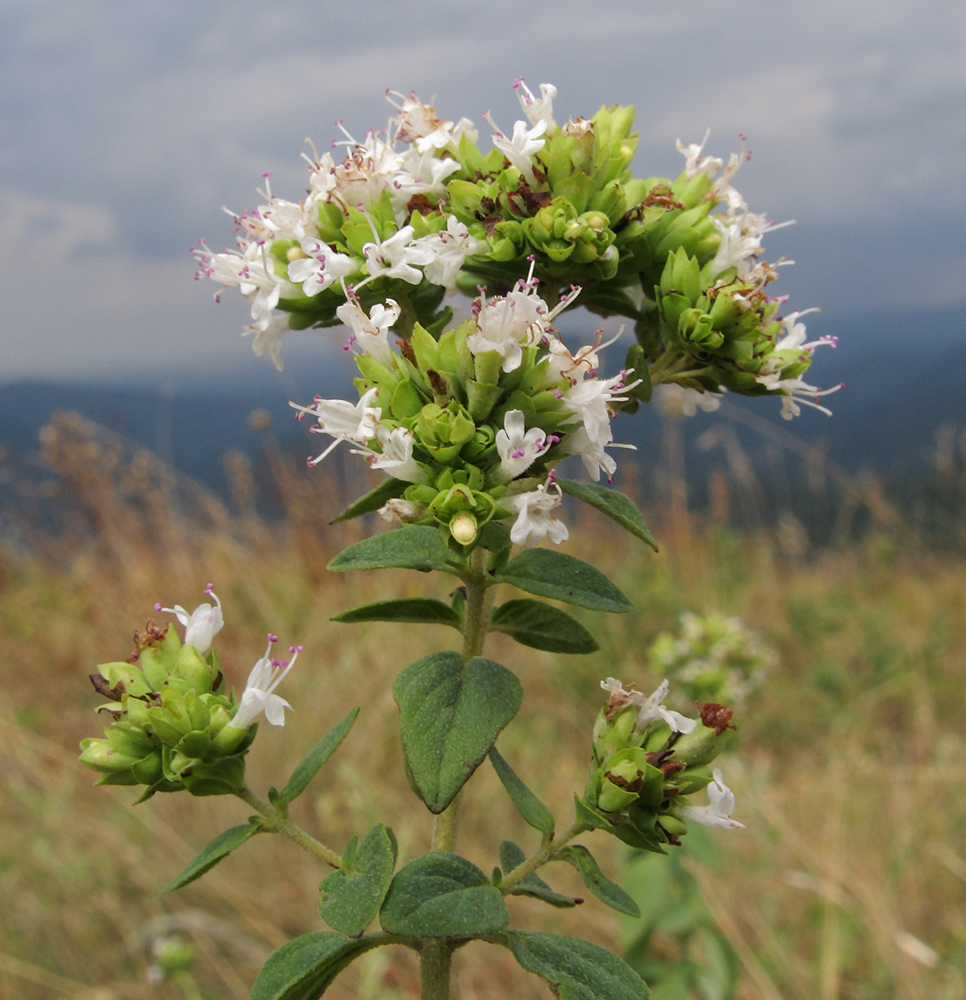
{"type": "Point", "coordinates": [351, 896]}
{"type": "Point", "coordinates": [405, 609]}
{"type": "Point", "coordinates": [532, 884]}
{"type": "Point", "coordinates": [599, 884]}
{"type": "Point", "coordinates": [413, 546]}
{"type": "Point", "coordinates": [527, 804]}
{"type": "Point", "coordinates": [542, 626]}
{"type": "Point", "coordinates": [450, 714]}
{"type": "Point", "coordinates": [564, 578]}
{"type": "Point", "coordinates": [310, 764]}
{"type": "Point", "coordinates": [373, 500]}
{"type": "Point", "coordinates": [443, 895]}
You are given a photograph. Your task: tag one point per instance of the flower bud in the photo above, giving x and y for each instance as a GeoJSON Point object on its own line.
{"type": "Point", "coordinates": [463, 528]}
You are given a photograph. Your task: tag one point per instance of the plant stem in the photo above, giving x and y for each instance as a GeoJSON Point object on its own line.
{"type": "Point", "coordinates": [436, 955]}
{"type": "Point", "coordinates": [540, 857]}
{"type": "Point", "coordinates": [435, 958]}
{"type": "Point", "coordinates": [275, 822]}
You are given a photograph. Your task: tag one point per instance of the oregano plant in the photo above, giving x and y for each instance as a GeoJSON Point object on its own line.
{"type": "Point", "coordinates": [468, 421]}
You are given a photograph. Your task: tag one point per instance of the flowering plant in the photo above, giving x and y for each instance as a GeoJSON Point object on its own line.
{"type": "Point", "coordinates": [468, 421]}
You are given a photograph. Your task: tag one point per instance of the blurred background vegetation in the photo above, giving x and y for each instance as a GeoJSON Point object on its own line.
{"type": "Point", "coordinates": [849, 881]}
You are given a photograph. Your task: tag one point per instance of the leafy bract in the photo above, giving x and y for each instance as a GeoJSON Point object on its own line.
{"type": "Point", "coordinates": [612, 504]}
{"type": "Point", "coordinates": [414, 546]}
{"type": "Point", "coordinates": [531, 885]}
{"type": "Point", "coordinates": [310, 764]}
{"type": "Point", "coordinates": [373, 500]}
{"type": "Point", "coordinates": [527, 804]}
{"type": "Point", "coordinates": [212, 853]}
{"type": "Point", "coordinates": [599, 884]}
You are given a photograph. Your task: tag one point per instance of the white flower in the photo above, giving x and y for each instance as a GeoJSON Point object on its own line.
{"type": "Point", "coordinates": [259, 695]}
{"type": "Point", "coordinates": [591, 452]}
{"type": "Point", "coordinates": [268, 337]}
{"type": "Point", "coordinates": [396, 257]}
{"type": "Point", "coordinates": [450, 248]}
{"type": "Point", "coordinates": [538, 109]}
{"type": "Point", "coordinates": [675, 400]}
{"type": "Point", "coordinates": [695, 163]}
{"type": "Point", "coordinates": [718, 813]}
{"type": "Point", "coordinates": [372, 331]}
{"type": "Point", "coordinates": [396, 458]}
{"type": "Point", "coordinates": [320, 267]}
{"type": "Point", "coordinates": [534, 522]}
{"type": "Point", "coordinates": [522, 145]}
{"type": "Point", "coordinates": [342, 420]}
{"type": "Point", "coordinates": [736, 249]}
{"type": "Point", "coordinates": [517, 447]}
{"type": "Point", "coordinates": [651, 710]}
{"type": "Point", "coordinates": [201, 625]}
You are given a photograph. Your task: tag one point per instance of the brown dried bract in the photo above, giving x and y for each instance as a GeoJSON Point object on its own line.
{"type": "Point", "coordinates": [420, 203]}
{"type": "Point", "coordinates": [662, 196]}
{"type": "Point", "coordinates": [406, 350]}
{"type": "Point", "coordinates": [104, 689]}
{"type": "Point", "coordinates": [716, 717]}
{"type": "Point", "coordinates": [152, 635]}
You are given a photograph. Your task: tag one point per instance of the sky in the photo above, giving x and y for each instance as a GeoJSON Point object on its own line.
{"type": "Point", "coordinates": [124, 129]}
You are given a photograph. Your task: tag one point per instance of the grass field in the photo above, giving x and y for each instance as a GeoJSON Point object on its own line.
{"type": "Point", "coordinates": [849, 881]}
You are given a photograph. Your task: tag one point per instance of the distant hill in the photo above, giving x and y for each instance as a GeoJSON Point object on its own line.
{"type": "Point", "coordinates": [904, 373]}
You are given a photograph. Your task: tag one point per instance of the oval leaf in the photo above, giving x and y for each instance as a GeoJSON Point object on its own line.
{"type": "Point", "coordinates": [411, 547]}
{"type": "Point", "coordinates": [532, 884]}
{"type": "Point", "coordinates": [405, 609]}
{"type": "Point", "coordinates": [309, 766]}
{"type": "Point", "coordinates": [564, 578]}
{"type": "Point", "coordinates": [443, 895]}
{"type": "Point", "coordinates": [599, 884]}
{"type": "Point", "coordinates": [527, 804]}
{"type": "Point", "coordinates": [616, 506]}
{"type": "Point", "coordinates": [450, 715]}
{"type": "Point", "coordinates": [542, 626]}
{"type": "Point", "coordinates": [304, 968]}
{"type": "Point", "coordinates": [210, 855]}
{"type": "Point", "coordinates": [351, 896]}
{"type": "Point", "coordinates": [575, 969]}
{"type": "Point", "coordinates": [373, 500]}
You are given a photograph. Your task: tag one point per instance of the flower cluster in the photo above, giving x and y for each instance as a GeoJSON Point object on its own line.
{"type": "Point", "coordinates": [712, 658]}
{"type": "Point", "coordinates": [173, 725]}
{"type": "Point", "coordinates": [648, 759]}
{"type": "Point", "coordinates": [419, 208]}
{"type": "Point", "coordinates": [469, 426]}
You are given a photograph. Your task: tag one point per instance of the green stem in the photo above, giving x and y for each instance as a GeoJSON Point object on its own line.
{"type": "Point", "coordinates": [547, 852]}
{"type": "Point", "coordinates": [662, 362]}
{"type": "Point", "coordinates": [436, 956]}
{"type": "Point", "coordinates": [434, 961]}
{"type": "Point", "coordinates": [276, 822]}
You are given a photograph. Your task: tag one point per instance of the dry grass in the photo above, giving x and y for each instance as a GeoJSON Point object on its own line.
{"type": "Point", "coordinates": [849, 779]}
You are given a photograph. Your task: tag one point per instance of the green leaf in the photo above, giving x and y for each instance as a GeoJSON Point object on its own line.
{"type": "Point", "coordinates": [406, 609]}
{"type": "Point", "coordinates": [351, 896]}
{"type": "Point", "coordinates": [309, 766]}
{"type": "Point", "coordinates": [443, 895]}
{"type": "Point", "coordinates": [373, 500]}
{"type": "Point", "coordinates": [612, 504]}
{"type": "Point", "coordinates": [575, 969]}
{"type": "Point", "coordinates": [414, 546]}
{"type": "Point", "coordinates": [533, 811]}
{"type": "Point", "coordinates": [532, 884]}
{"type": "Point", "coordinates": [599, 884]}
{"type": "Point", "coordinates": [210, 855]}
{"type": "Point", "coordinates": [450, 714]}
{"type": "Point", "coordinates": [542, 626]}
{"type": "Point", "coordinates": [591, 818]}
{"type": "Point", "coordinates": [304, 968]}
{"type": "Point", "coordinates": [564, 578]}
